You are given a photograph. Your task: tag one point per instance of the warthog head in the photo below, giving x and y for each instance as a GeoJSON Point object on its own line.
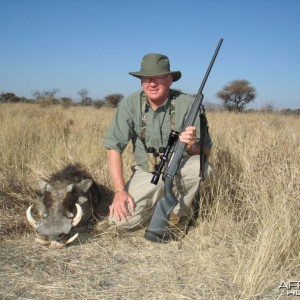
{"type": "Point", "coordinates": [60, 209]}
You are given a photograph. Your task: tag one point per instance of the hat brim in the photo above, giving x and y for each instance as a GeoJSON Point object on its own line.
{"type": "Point", "coordinates": [176, 74]}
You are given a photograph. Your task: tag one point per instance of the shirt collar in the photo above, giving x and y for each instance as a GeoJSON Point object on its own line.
{"type": "Point", "coordinates": [162, 107]}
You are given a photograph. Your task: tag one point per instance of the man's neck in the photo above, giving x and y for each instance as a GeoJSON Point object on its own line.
{"type": "Point", "coordinates": [157, 103]}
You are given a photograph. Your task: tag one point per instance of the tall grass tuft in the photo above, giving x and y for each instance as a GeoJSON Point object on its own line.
{"type": "Point", "coordinates": [246, 241]}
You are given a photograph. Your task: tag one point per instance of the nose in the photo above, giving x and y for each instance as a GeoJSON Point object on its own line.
{"type": "Point", "coordinates": [152, 80]}
{"type": "Point", "coordinates": [56, 237]}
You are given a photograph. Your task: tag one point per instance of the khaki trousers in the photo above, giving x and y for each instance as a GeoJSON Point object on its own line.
{"type": "Point", "coordinates": [146, 194]}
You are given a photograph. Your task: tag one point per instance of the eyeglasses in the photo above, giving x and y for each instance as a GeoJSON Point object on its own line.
{"type": "Point", "coordinates": [157, 79]}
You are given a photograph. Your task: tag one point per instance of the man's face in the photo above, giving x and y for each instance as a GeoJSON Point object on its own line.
{"type": "Point", "coordinates": [157, 88]}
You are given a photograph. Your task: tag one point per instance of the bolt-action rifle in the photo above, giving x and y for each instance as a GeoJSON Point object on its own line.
{"type": "Point", "coordinates": [157, 230]}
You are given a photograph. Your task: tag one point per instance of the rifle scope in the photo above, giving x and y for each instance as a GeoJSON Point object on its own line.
{"type": "Point", "coordinates": [173, 137]}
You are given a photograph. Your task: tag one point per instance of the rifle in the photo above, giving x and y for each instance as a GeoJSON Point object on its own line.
{"type": "Point", "coordinates": [157, 230]}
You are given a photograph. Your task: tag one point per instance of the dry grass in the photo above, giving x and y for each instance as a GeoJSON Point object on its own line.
{"type": "Point", "coordinates": [246, 242]}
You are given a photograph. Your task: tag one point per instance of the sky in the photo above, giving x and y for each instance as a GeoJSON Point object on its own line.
{"type": "Point", "coordinates": [72, 45]}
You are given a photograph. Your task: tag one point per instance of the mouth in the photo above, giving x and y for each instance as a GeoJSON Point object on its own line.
{"type": "Point", "coordinates": [57, 244]}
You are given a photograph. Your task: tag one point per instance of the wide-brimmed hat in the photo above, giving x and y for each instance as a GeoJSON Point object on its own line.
{"type": "Point", "coordinates": [155, 64]}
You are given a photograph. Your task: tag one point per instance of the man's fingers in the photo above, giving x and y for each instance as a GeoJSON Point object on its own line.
{"type": "Point", "coordinates": [122, 207]}
{"type": "Point", "coordinates": [122, 215]}
{"type": "Point", "coordinates": [131, 204]}
{"type": "Point", "coordinates": [188, 136]}
{"type": "Point", "coordinates": [122, 212]}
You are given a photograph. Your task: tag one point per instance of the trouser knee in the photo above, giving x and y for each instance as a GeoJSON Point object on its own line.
{"type": "Point", "coordinates": [138, 219]}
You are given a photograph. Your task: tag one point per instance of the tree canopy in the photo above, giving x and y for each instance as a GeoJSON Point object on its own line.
{"type": "Point", "coordinates": [113, 100]}
{"type": "Point", "coordinates": [237, 94]}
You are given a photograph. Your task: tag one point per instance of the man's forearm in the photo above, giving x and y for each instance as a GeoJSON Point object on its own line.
{"type": "Point", "coordinates": [115, 169]}
{"type": "Point", "coordinates": [195, 150]}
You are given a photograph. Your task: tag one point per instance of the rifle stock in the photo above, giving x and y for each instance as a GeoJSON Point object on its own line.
{"type": "Point", "coordinates": [157, 230]}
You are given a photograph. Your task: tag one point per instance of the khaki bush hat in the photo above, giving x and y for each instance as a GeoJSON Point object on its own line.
{"type": "Point", "coordinates": [155, 64]}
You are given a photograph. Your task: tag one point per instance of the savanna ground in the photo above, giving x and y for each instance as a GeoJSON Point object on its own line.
{"type": "Point", "coordinates": [245, 244]}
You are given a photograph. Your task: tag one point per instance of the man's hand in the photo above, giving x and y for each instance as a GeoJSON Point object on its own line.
{"type": "Point", "coordinates": [122, 206]}
{"type": "Point", "coordinates": [188, 136]}
{"type": "Point", "coordinates": [122, 203]}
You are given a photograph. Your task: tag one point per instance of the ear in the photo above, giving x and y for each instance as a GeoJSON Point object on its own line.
{"type": "Point", "coordinates": [85, 184]}
{"type": "Point", "coordinates": [44, 186]}
{"type": "Point", "coordinates": [170, 80]}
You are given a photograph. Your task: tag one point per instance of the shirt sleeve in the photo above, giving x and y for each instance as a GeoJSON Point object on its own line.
{"type": "Point", "coordinates": [120, 130]}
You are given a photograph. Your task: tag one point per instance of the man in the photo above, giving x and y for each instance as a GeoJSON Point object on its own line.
{"type": "Point", "coordinates": [146, 118]}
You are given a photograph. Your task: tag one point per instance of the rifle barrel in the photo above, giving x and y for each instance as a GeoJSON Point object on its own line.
{"type": "Point", "coordinates": [210, 66]}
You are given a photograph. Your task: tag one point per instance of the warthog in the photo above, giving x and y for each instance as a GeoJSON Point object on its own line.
{"type": "Point", "coordinates": [69, 198]}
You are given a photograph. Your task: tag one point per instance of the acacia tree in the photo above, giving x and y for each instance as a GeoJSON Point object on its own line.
{"type": "Point", "coordinates": [85, 99]}
{"type": "Point", "coordinates": [113, 100]}
{"type": "Point", "coordinates": [9, 97]}
{"type": "Point", "coordinates": [45, 94]}
{"type": "Point", "coordinates": [46, 97]}
{"type": "Point", "coordinates": [237, 94]}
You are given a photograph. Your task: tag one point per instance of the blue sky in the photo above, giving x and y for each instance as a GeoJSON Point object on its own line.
{"type": "Point", "coordinates": [76, 44]}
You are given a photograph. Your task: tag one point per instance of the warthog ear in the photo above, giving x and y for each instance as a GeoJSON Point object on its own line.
{"type": "Point", "coordinates": [85, 184]}
{"type": "Point", "coordinates": [44, 186]}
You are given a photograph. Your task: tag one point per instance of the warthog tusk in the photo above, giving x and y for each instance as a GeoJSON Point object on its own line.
{"type": "Point", "coordinates": [30, 218]}
{"type": "Point", "coordinates": [56, 244]}
{"type": "Point", "coordinates": [43, 242]}
{"type": "Point", "coordinates": [71, 239]}
{"type": "Point", "coordinates": [78, 216]}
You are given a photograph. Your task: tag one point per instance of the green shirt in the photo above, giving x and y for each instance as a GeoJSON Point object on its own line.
{"type": "Point", "coordinates": [127, 125]}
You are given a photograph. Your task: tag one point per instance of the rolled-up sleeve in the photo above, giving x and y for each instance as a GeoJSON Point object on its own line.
{"type": "Point", "coordinates": [120, 130]}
